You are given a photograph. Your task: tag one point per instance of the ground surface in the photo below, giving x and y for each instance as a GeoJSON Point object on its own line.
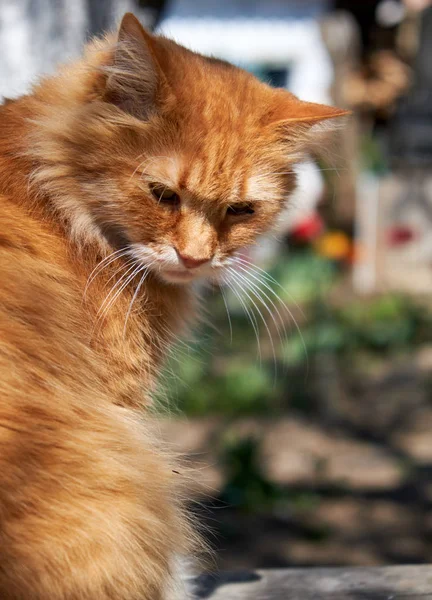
{"type": "Point", "coordinates": [350, 488]}
{"type": "Point", "coordinates": [391, 583]}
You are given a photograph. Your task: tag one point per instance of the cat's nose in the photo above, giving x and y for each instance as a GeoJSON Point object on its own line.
{"type": "Point", "coordinates": [190, 262]}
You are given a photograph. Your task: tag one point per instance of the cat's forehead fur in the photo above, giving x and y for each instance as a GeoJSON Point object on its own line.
{"type": "Point", "coordinates": [228, 180]}
{"type": "Point", "coordinates": [214, 142]}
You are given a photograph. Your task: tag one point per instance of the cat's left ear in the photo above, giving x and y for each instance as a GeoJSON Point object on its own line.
{"type": "Point", "coordinates": [290, 111]}
{"type": "Point", "coordinates": [304, 127]}
{"type": "Point", "coordinates": [135, 83]}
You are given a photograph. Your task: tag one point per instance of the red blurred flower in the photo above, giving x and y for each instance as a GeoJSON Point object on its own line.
{"type": "Point", "coordinates": [308, 229]}
{"type": "Point", "coordinates": [401, 234]}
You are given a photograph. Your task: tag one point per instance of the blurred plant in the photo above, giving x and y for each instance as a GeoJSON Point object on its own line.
{"type": "Point", "coordinates": [246, 485]}
{"type": "Point", "coordinates": [248, 489]}
{"type": "Point", "coordinates": [303, 276]}
{"type": "Point", "coordinates": [334, 245]}
{"type": "Point", "coordinates": [233, 389]}
{"type": "Point", "coordinates": [220, 375]}
{"type": "Point", "coordinates": [386, 324]}
{"type": "Point", "coordinates": [372, 155]}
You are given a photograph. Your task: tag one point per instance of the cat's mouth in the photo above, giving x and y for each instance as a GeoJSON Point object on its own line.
{"type": "Point", "coordinates": [164, 262]}
{"type": "Point", "coordinates": [177, 276]}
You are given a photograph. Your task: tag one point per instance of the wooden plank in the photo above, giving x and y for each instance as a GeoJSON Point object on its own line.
{"type": "Point", "coordinates": [375, 583]}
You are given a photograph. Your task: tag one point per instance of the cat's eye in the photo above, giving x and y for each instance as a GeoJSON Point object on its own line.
{"type": "Point", "coordinates": [240, 210]}
{"type": "Point", "coordinates": [164, 195]}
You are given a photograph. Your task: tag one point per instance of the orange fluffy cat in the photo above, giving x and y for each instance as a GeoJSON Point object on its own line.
{"type": "Point", "coordinates": [150, 166]}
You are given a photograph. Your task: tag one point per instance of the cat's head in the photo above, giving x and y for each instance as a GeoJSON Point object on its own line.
{"type": "Point", "coordinates": [180, 158]}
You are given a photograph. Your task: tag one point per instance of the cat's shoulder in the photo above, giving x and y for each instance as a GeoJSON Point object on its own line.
{"type": "Point", "coordinates": [34, 260]}
{"type": "Point", "coordinates": [21, 233]}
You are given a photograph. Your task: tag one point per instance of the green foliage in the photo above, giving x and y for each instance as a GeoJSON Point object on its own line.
{"type": "Point", "coordinates": [386, 325]}
{"type": "Point", "coordinates": [246, 485]}
{"type": "Point", "coordinates": [235, 387]}
{"type": "Point", "coordinates": [248, 489]}
{"type": "Point", "coordinates": [304, 276]}
{"type": "Point", "coordinates": [372, 155]}
{"type": "Point", "coordinates": [224, 375]}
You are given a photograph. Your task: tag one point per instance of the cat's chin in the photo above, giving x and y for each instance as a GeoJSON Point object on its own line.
{"type": "Point", "coordinates": [177, 277]}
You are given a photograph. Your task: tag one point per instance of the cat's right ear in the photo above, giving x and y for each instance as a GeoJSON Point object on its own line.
{"type": "Point", "coordinates": [135, 82]}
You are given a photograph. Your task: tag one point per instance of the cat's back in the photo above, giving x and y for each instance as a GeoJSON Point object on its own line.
{"type": "Point", "coordinates": [40, 304]}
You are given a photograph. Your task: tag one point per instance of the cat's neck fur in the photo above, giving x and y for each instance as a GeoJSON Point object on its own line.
{"type": "Point", "coordinates": [132, 351]}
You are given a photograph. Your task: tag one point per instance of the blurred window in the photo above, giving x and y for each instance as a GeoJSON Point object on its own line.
{"type": "Point", "coordinates": [275, 75]}
{"type": "Point", "coordinates": [264, 9]}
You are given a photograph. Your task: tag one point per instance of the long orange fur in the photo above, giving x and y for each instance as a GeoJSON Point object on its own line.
{"type": "Point", "coordinates": [90, 507]}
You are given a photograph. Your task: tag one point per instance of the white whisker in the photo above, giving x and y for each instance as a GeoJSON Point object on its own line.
{"type": "Point", "coordinates": [260, 291]}
{"type": "Point", "coordinates": [103, 264]}
{"type": "Point", "coordinates": [146, 269]}
{"type": "Point", "coordinates": [241, 279]}
{"type": "Point", "coordinates": [267, 276]}
{"type": "Point", "coordinates": [108, 302]}
{"type": "Point", "coordinates": [249, 315]}
{"type": "Point", "coordinates": [227, 312]}
{"type": "Point", "coordinates": [283, 304]}
{"type": "Point", "coordinates": [127, 263]}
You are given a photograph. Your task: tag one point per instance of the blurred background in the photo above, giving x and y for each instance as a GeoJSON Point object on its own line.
{"type": "Point", "coordinates": [307, 412]}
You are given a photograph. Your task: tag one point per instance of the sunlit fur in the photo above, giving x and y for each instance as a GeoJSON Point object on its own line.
{"type": "Point", "coordinates": [93, 292]}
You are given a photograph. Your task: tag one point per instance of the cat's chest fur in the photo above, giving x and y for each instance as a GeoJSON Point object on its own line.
{"type": "Point", "coordinates": [133, 333]}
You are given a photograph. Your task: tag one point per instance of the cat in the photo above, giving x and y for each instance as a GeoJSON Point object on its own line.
{"type": "Point", "coordinates": [124, 179]}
